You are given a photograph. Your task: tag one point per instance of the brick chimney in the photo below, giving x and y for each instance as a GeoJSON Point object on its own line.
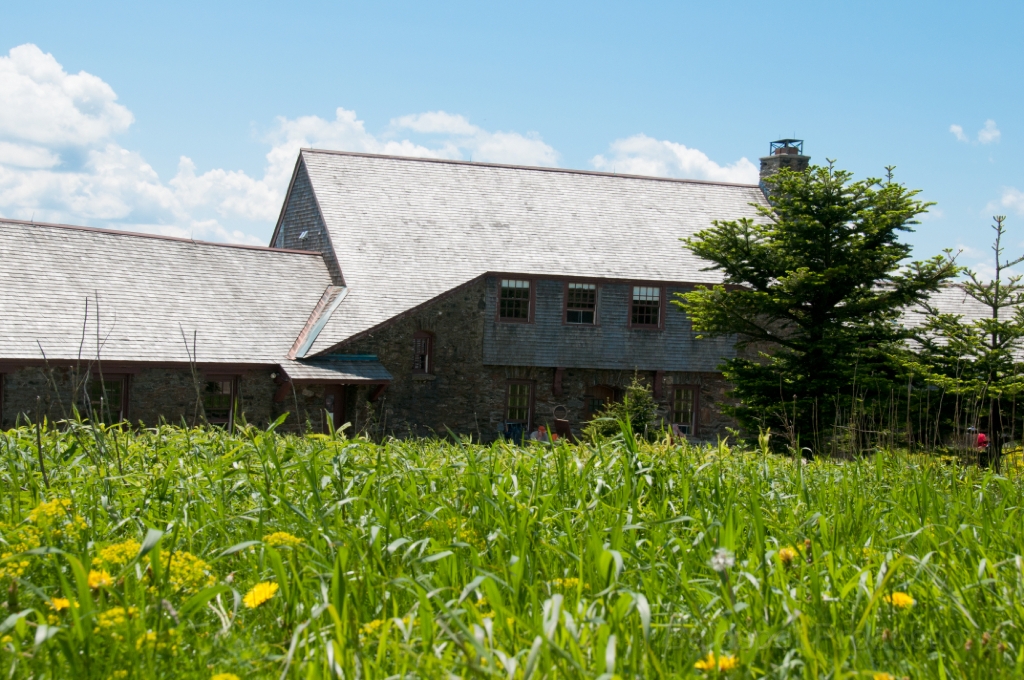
{"type": "Point", "coordinates": [784, 153]}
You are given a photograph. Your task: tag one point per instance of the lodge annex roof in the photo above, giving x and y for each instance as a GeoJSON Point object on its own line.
{"type": "Point", "coordinates": [400, 232]}
{"type": "Point", "coordinates": [148, 295]}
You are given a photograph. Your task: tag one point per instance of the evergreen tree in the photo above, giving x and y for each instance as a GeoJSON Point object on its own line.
{"type": "Point", "coordinates": [817, 286]}
{"type": "Point", "coordinates": [976, 359]}
{"type": "Point", "coordinates": [637, 407]}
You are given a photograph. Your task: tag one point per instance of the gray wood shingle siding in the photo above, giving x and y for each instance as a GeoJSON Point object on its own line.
{"type": "Point", "coordinates": [301, 216]}
{"type": "Point", "coordinates": [609, 344]}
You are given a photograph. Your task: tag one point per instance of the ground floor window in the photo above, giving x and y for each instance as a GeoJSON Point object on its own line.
{"type": "Point", "coordinates": [219, 400]}
{"type": "Point", "coordinates": [684, 412]}
{"type": "Point", "coordinates": [596, 399]}
{"type": "Point", "coordinates": [520, 396]}
{"type": "Point", "coordinates": [108, 398]}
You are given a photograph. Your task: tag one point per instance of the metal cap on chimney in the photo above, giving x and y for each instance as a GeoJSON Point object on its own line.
{"type": "Point", "coordinates": [784, 153]}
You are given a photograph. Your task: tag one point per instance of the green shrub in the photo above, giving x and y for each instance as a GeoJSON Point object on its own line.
{"type": "Point", "coordinates": [637, 407]}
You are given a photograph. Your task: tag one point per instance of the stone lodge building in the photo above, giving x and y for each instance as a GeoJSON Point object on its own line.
{"type": "Point", "coordinates": [405, 296]}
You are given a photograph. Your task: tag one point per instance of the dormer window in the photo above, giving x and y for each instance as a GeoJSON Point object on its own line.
{"type": "Point", "coordinates": [515, 298]}
{"type": "Point", "coordinates": [580, 303]}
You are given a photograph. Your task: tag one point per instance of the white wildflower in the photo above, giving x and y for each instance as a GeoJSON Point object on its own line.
{"type": "Point", "coordinates": [722, 561]}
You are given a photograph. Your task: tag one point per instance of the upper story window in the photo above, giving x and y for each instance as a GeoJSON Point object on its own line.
{"type": "Point", "coordinates": [646, 307]}
{"type": "Point", "coordinates": [422, 352]}
{"type": "Point", "coordinates": [514, 304]}
{"type": "Point", "coordinates": [219, 400]}
{"type": "Point", "coordinates": [580, 303]}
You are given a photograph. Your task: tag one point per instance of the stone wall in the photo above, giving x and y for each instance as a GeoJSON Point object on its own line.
{"type": "Point", "coordinates": [468, 397]}
{"type": "Point", "coordinates": [153, 394]}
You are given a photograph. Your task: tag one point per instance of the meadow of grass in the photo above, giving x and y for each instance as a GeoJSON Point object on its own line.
{"type": "Point", "coordinates": [194, 553]}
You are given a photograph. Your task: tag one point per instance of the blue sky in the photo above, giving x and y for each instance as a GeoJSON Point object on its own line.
{"type": "Point", "coordinates": [683, 89]}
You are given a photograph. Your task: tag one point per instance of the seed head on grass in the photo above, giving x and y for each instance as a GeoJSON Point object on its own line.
{"type": "Point", "coordinates": [260, 593]}
{"type": "Point", "coordinates": [722, 561]}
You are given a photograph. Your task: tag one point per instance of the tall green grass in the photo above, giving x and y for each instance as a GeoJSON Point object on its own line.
{"type": "Point", "coordinates": [433, 559]}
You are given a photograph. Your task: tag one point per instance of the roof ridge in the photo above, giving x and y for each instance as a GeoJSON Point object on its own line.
{"type": "Point", "coordinates": [535, 168]}
{"type": "Point", "coordinates": [121, 232]}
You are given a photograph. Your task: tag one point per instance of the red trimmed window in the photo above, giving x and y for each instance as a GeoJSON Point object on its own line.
{"type": "Point", "coordinates": [646, 308]}
{"type": "Point", "coordinates": [422, 352]}
{"type": "Point", "coordinates": [580, 303]}
{"type": "Point", "coordinates": [684, 411]}
{"type": "Point", "coordinates": [514, 304]}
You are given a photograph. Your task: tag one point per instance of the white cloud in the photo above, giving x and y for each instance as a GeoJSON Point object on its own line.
{"type": "Point", "coordinates": [990, 133]}
{"type": "Point", "coordinates": [481, 145]}
{"type": "Point", "coordinates": [60, 161]}
{"type": "Point", "coordinates": [986, 135]}
{"type": "Point", "coordinates": [43, 104]}
{"type": "Point", "coordinates": [1012, 199]}
{"type": "Point", "coordinates": [643, 155]}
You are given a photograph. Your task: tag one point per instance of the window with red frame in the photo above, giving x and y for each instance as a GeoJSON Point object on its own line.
{"type": "Point", "coordinates": [646, 308]}
{"type": "Point", "coordinates": [580, 303]}
{"type": "Point", "coordinates": [514, 304]}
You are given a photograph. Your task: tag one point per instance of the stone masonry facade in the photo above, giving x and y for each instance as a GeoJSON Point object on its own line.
{"type": "Point", "coordinates": [463, 395]}
{"type": "Point", "coordinates": [159, 395]}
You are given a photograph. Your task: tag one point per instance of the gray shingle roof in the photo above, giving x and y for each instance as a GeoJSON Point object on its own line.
{"type": "Point", "coordinates": [407, 230]}
{"type": "Point", "coordinates": [246, 305]}
{"type": "Point", "coordinates": [337, 371]}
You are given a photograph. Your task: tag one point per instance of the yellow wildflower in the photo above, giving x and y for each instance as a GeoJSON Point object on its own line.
{"type": "Point", "coordinates": [19, 539]}
{"type": "Point", "coordinates": [279, 538]}
{"type": "Point", "coordinates": [189, 573]}
{"type": "Point", "coordinates": [114, 618]}
{"type": "Point", "coordinates": [260, 593]}
{"type": "Point", "coordinates": [787, 555]}
{"type": "Point", "coordinates": [100, 579]}
{"type": "Point", "coordinates": [371, 627]}
{"type": "Point", "coordinates": [225, 676]}
{"type": "Point", "coordinates": [58, 517]}
{"type": "Point", "coordinates": [120, 553]}
{"type": "Point", "coordinates": [900, 600]}
{"type": "Point", "coordinates": [883, 676]}
{"type": "Point", "coordinates": [59, 603]}
{"type": "Point", "coordinates": [567, 583]}
{"type": "Point", "coordinates": [725, 662]}
{"type": "Point", "coordinates": [161, 643]}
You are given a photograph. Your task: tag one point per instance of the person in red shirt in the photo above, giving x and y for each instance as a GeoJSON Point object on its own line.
{"type": "Point", "coordinates": [982, 442]}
